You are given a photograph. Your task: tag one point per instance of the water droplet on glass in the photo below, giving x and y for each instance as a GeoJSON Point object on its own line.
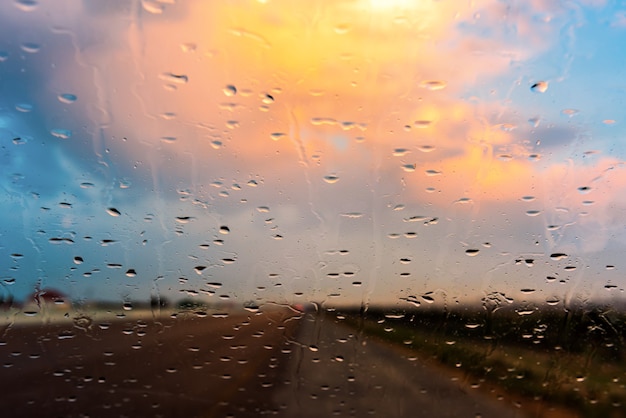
{"type": "Point", "coordinates": [422, 124]}
{"type": "Point", "coordinates": [230, 90]}
{"type": "Point", "coordinates": [131, 273]}
{"type": "Point", "coordinates": [24, 107]}
{"type": "Point", "coordinates": [342, 29]}
{"type": "Point", "coordinates": [433, 85]}
{"type": "Point", "coordinates": [113, 212]}
{"type": "Point", "coordinates": [533, 212]}
{"type": "Point", "coordinates": [188, 47]}
{"type": "Point", "coordinates": [584, 189]}
{"type": "Point", "coordinates": [426, 148]}
{"type": "Point", "coordinates": [26, 5]}
{"type": "Point", "coordinates": [4, 56]}
{"type": "Point", "coordinates": [277, 136]}
{"type": "Point", "coordinates": [409, 168]}
{"type": "Point", "coordinates": [472, 252]}
{"type": "Point", "coordinates": [224, 230]}
{"type": "Point", "coordinates": [400, 152]}
{"type": "Point", "coordinates": [30, 47]}
{"type": "Point", "coordinates": [558, 256]}
{"type": "Point", "coordinates": [569, 112]}
{"type": "Point", "coordinates": [67, 98]}
{"type": "Point", "coordinates": [331, 179]}
{"type": "Point", "coordinates": [174, 78]}
{"type": "Point", "coordinates": [432, 173]}
{"type": "Point", "coordinates": [61, 133]}
{"type": "Point", "coordinates": [539, 87]}
{"type": "Point", "coordinates": [78, 260]}
{"type": "Point", "coordinates": [153, 6]}
{"type": "Point", "coordinates": [428, 299]}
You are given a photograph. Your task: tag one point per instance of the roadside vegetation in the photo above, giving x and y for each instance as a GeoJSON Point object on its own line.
{"type": "Point", "coordinates": [571, 358]}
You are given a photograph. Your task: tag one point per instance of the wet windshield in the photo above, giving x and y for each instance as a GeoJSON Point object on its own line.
{"type": "Point", "coordinates": [234, 208]}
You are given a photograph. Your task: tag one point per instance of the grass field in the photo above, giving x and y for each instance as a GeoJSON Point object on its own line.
{"type": "Point", "coordinates": [570, 359]}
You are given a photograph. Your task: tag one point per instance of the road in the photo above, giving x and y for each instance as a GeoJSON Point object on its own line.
{"type": "Point", "coordinates": [336, 372]}
{"type": "Point", "coordinates": [241, 365]}
{"type": "Point", "coordinates": [188, 366]}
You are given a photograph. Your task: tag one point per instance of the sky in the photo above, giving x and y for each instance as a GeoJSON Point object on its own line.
{"type": "Point", "coordinates": [345, 152]}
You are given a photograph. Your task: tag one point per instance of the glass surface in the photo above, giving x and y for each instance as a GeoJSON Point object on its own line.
{"type": "Point", "coordinates": [312, 208]}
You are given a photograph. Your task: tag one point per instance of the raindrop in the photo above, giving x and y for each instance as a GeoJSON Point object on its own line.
{"type": "Point", "coordinates": [433, 85]}
{"type": "Point", "coordinates": [188, 47]}
{"type": "Point", "coordinates": [472, 252]}
{"type": "Point", "coordinates": [409, 168]}
{"type": "Point", "coordinates": [113, 212]}
{"type": "Point", "coordinates": [216, 144]}
{"type": "Point", "coordinates": [527, 198]}
{"type": "Point", "coordinates": [527, 290]}
{"type": "Point", "coordinates": [232, 124]}
{"type": "Point", "coordinates": [152, 6]}
{"type": "Point", "coordinates": [342, 29]}
{"type": "Point", "coordinates": [230, 90]}
{"type": "Point", "coordinates": [276, 136]}
{"type": "Point", "coordinates": [426, 148]}
{"type": "Point", "coordinates": [428, 299]}
{"type": "Point", "coordinates": [422, 123]}
{"type": "Point", "coordinates": [432, 173]}
{"type": "Point", "coordinates": [584, 189]}
{"type": "Point", "coordinates": [131, 273]}
{"type": "Point", "coordinates": [558, 256]}
{"type": "Point", "coordinates": [78, 260]}
{"type": "Point", "coordinates": [30, 47]}
{"type": "Point", "coordinates": [61, 133]}
{"type": "Point", "coordinates": [67, 98]}
{"type": "Point", "coordinates": [127, 306]}
{"type": "Point", "coordinates": [400, 152]}
{"type": "Point", "coordinates": [323, 121]}
{"type": "Point", "coordinates": [569, 112]}
{"type": "Point", "coordinates": [533, 212]}
{"type": "Point", "coordinates": [26, 5]}
{"type": "Point", "coordinates": [224, 229]}
{"type": "Point", "coordinates": [175, 78]}
{"type": "Point", "coordinates": [267, 98]}
{"type": "Point", "coordinates": [357, 284]}
{"type": "Point", "coordinates": [331, 179]}
{"type": "Point", "coordinates": [539, 87]}
{"type": "Point", "coordinates": [4, 56]}
{"type": "Point", "coordinates": [168, 139]}
{"type": "Point", "coordinates": [24, 107]}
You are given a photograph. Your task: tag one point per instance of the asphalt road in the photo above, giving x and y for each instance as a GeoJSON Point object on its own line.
{"type": "Point", "coordinates": [241, 365]}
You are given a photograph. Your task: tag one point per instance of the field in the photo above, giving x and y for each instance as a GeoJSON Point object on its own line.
{"type": "Point", "coordinates": [573, 360]}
